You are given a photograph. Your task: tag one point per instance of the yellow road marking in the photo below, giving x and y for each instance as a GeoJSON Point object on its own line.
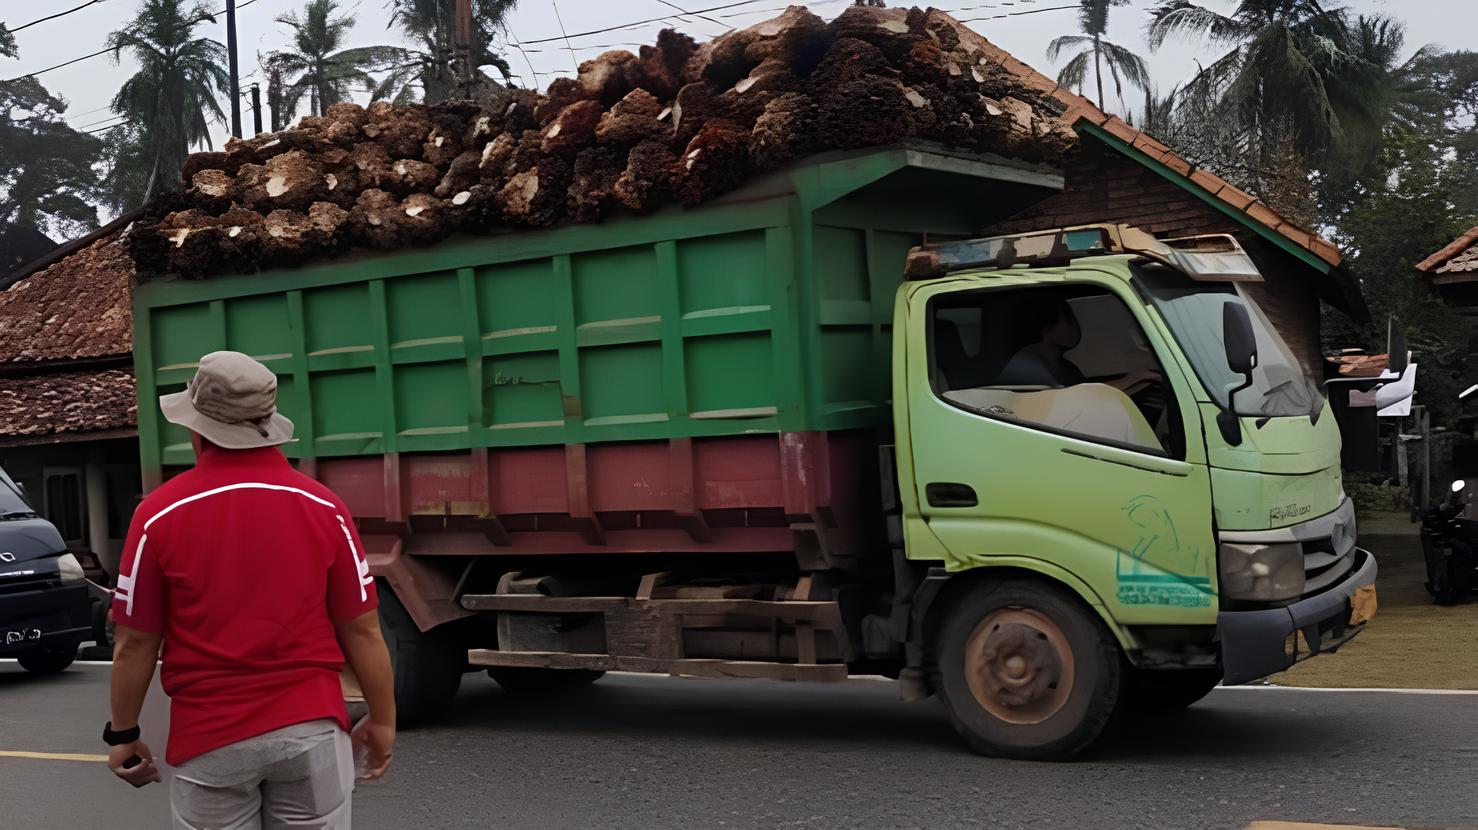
{"type": "Point", "coordinates": [1298, 825]}
{"type": "Point", "coordinates": [53, 756]}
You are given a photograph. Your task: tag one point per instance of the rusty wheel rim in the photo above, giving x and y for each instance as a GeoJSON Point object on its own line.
{"type": "Point", "coordinates": [1019, 666]}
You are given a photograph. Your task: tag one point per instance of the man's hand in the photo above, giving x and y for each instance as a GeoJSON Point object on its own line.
{"type": "Point", "coordinates": [143, 772]}
{"type": "Point", "coordinates": [364, 649]}
{"type": "Point", "coordinates": [376, 742]}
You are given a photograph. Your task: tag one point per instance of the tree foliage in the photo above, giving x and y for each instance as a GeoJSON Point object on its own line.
{"type": "Point", "coordinates": [1416, 192]}
{"type": "Point", "coordinates": [175, 95]}
{"type": "Point", "coordinates": [317, 67]}
{"type": "Point", "coordinates": [46, 176]}
{"type": "Point", "coordinates": [1290, 80]}
{"type": "Point", "coordinates": [430, 70]}
{"type": "Point", "coordinates": [1096, 52]}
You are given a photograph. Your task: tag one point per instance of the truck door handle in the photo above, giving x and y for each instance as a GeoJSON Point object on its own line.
{"type": "Point", "coordinates": [950, 494]}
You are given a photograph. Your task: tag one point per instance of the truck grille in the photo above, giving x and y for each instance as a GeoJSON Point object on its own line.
{"type": "Point", "coordinates": [1323, 566]}
{"type": "Point", "coordinates": [22, 584]}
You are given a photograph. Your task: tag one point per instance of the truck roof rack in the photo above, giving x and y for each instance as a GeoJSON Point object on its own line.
{"type": "Point", "coordinates": [1209, 257]}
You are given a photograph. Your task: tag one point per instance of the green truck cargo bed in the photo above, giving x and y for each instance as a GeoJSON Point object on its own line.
{"type": "Point", "coordinates": [765, 311]}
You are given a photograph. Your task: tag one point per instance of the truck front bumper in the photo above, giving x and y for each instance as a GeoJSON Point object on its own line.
{"type": "Point", "coordinates": [55, 616]}
{"type": "Point", "coordinates": [1255, 644]}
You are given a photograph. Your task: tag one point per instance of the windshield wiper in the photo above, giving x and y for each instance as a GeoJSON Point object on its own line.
{"type": "Point", "coordinates": [17, 514]}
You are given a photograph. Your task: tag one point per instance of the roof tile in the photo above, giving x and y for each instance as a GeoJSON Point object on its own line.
{"type": "Point", "coordinates": [1325, 250]}
{"type": "Point", "coordinates": [1297, 234]}
{"type": "Point", "coordinates": [1235, 196]}
{"type": "Point", "coordinates": [1264, 214]}
{"type": "Point", "coordinates": [77, 308]}
{"type": "Point", "coordinates": [1207, 180]}
{"type": "Point", "coordinates": [1449, 251]}
{"type": "Point", "coordinates": [1120, 130]}
{"type": "Point", "coordinates": [66, 402]}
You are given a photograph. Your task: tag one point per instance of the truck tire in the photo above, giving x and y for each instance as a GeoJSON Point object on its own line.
{"type": "Point", "coordinates": [427, 665]}
{"type": "Point", "coordinates": [1148, 691]}
{"type": "Point", "coordinates": [48, 659]}
{"type": "Point", "coordinates": [517, 680]}
{"type": "Point", "coordinates": [1025, 670]}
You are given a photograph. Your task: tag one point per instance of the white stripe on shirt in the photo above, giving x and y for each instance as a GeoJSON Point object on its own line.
{"type": "Point", "coordinates": [126, 583]}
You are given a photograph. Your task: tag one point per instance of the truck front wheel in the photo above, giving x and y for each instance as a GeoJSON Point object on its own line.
{"type": "Point", "coordinates": [428, 665]}
{"type": "Point", "coordinates": [1025, 670]}
{"type": "Point", "coordinates": [48, 659]}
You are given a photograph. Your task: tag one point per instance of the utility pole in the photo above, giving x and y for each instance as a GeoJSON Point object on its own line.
{"type": "Point", "coordinates": [256, 109]}
{"type": "Point", "coordinates": [462, 43]}
{"type": "Point", "coordinates": [235, 75]}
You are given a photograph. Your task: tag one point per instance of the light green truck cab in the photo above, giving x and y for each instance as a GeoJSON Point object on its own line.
{"type": "Point", "coordinates": [1197, 511]}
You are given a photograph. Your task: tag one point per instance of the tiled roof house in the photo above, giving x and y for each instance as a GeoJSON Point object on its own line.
{"type": "Point", "coordinates": [1454, 272]}
{"type": "Point", "coordinates": [67, 410]}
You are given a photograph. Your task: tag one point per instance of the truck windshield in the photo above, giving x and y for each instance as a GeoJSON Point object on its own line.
{"type": "Point", "coordinates": [12, 506]}
{"type": "Point", "coordinates": [1193, 310]}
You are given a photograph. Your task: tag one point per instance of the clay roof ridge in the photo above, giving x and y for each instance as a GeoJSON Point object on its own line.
{"type": "Point", "coordinates": [1079, 108]}
{"type": "Point", "coordinates": [1450, 250]}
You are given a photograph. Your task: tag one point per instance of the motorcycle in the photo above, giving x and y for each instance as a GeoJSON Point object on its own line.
{"type": "Point", "coordinates": [1447, 547]}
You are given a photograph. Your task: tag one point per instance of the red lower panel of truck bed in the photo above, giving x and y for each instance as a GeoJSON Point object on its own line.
{"type": "Point", "coordinates": [807, 490]}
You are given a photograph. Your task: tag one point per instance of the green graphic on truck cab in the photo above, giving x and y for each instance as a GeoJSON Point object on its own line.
{"type": "Point", "coordinates": [1142, 581]}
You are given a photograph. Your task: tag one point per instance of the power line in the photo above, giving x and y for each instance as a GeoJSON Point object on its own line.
{"type": "Point", "coordinates": [566, 35]}
{"type": "Point", "coordinates": [1019, 14]}
{"type": "Point", "coordinates": [699, 16]}
{"type": "Point", "coordinates": [55, 16]}
{"type": "Point", "coordinates": [105, 129]}
{"type": "Point", "coordinates": [192, 24]}
{"type": "Point", "coordinates": [99, 121]}
{"type": "Point", "coordinates": [643, 22]}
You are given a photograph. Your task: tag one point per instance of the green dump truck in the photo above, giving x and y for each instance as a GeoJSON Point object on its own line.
{"type": "Point", "coordinates": [809, 430]}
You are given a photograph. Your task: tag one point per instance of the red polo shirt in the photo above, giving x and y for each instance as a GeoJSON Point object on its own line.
{"type": "Point", "coordinates": [244, 565]}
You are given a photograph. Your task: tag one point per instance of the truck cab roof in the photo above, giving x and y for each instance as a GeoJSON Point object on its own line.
{"type": "Point", "coordinates": [1209, 257]}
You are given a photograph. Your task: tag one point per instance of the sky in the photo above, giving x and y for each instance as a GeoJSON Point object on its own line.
{"type": "Point", "coordinates": [1023, 27]}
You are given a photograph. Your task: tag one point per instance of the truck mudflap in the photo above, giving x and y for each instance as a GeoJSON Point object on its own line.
{"type": "Point", "coordinates": [1255, 644]}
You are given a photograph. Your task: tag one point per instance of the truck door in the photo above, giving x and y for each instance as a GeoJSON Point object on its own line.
{"type": "Point", "coordinates": [1048, 431]}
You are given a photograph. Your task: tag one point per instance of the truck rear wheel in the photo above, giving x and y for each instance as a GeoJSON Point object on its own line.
{"type": "Point", "coordinates": [48, 659]}
{"type": "Point", "coordinates": [1149, 691]}
{"type": "Point", "coordinates": [427, 665]}
{"type": "Point", "coordinates": [1025, 670]}
{"type": "Point", "coordinates": [517, 680]}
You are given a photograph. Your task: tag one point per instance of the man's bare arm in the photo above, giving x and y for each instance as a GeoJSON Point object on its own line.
{"type": "Point", "coordinates": [364, 650]}
{"type": "Point", "coordinates": [135, 654]}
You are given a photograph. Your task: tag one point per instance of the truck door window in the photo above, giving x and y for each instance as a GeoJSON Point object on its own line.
{"type": "Point", "coordinates": [1069, 359]}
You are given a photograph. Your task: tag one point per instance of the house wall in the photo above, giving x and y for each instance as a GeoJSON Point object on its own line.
{"type": "Point", "coordinates": [1103, 185]}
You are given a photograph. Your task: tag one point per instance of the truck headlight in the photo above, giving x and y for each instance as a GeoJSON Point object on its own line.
{"type": "Point", "coordinates": [1265, 573]}
{"type": "Point", "coordinates": [70, 568]}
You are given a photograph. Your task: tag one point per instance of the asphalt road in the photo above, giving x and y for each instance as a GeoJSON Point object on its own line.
{"type": "Point", "coordinates": [649, 752]}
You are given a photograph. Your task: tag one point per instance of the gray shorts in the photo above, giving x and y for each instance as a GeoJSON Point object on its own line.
{"type": "Point", "coordinates": [300, 776]}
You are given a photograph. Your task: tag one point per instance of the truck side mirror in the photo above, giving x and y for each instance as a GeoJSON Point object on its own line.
{"type": "Point", "coordinates": [1395, 347]}
{"type": "Point", "coordinates": [1240, 342]}
{"type": "Point", "coordinates": [1238, 338]}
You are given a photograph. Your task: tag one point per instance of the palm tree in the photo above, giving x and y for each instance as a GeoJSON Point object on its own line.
{"type": "Point", "coordinates": [172, 97]}
{"type": "Point", "coordinates": [1123, 65]}
{"type": "Point", "coordinates": [315, 66]}
{"type": "Point", "coordinates": [1275, 80]}
{"type": "Point", "coordinates": [430, 71]}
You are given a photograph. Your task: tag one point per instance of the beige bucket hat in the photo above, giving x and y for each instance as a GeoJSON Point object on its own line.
{"type": "Point", "coordinates": [232, 402]}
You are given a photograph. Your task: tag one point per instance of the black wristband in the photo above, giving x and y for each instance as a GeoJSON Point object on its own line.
{"type": "Point", "coordinates": [126, 736]}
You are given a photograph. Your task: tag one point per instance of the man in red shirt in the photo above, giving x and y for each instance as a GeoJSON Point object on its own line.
{"type": "Point", "coordinates": [252, 577]}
